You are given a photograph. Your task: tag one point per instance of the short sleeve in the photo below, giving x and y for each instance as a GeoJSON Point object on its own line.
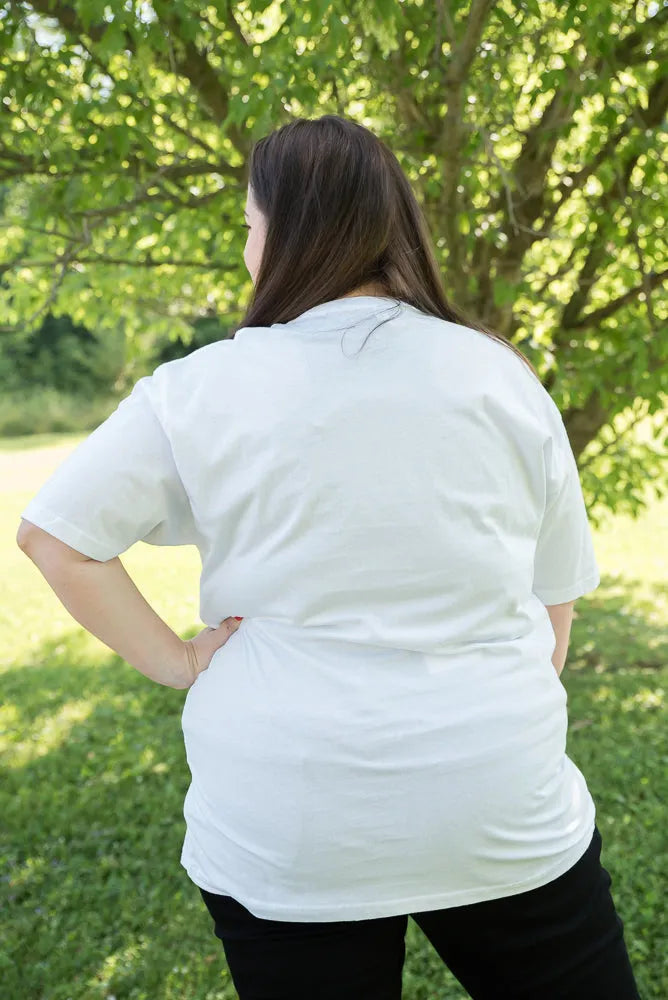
{"type": "Point", "coordinates": [565, 565]}
{"type": "Point", "coordinates": [119, 486]}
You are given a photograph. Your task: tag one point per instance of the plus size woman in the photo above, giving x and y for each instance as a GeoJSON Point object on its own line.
{"type": "Point", "coordinates": [393, 536]}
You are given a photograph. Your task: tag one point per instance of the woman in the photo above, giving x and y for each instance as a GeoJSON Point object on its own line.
{"type": "Point", "coordinates": [387, 498]}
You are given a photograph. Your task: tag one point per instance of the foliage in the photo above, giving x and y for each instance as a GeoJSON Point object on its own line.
{"type": "Point", "coordinates": [61, 378]}
{"type": "Point", "coordinates": [47, 411]}
{"type": "Point", "coordinates": [531, 131]}
{"type": "Point", "coordinates": [61, 355]}
{"type": "Point", "coordinates": [204, 330]}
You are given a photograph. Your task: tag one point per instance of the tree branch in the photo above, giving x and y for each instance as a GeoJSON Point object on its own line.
{"type": "Point", "coordinates": [450, 142]}
{"type": "Point", "coordinates": [651, 279]}
{"type": "Point", "coordinates": [644, 118]}
{"type": "Point", "coordinates": [148, 261]}
{"type": "Point", "coordinates": [588, 274]}
{"type": "Point", "coordinates": [616, 439]}
{"type": "Point", "coordinates": [463, 55]}
{"type": "Point", "coordinates": [8, 221]}
{"type": "Point", "coordinates": [62, 262]}
{"type": "Point", "coordinates": [540, 140]}
{"type": "Point", "coordinates": [191, 63]}
{"type": "Point", "coordinates": [195, 67]}
{"type": "Point", "coordinates": [234, 26]}
{"type": "Point", "coordinates": [68, 18]}
{"type": "Point", "coordinates": [141, 196]}
{"type": "Point", "coordinates": [626, 51]}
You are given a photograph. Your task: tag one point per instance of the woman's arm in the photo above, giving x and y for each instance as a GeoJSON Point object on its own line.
{"type": "Point", "coordinates": [103, 598]}
{"type": "Point", "coordinates": [561, 616]}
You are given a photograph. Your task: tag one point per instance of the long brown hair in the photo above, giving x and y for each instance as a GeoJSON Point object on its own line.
{"type": "Point", "coordinates": [340, 213]}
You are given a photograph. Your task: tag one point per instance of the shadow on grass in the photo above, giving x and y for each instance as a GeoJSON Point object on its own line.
{"type": "Point", "coordinates": [92, 797]}
{"type": "Point", "coordinates": [96, 904]}
{"type": "Point", "coordinates": [614, 629]}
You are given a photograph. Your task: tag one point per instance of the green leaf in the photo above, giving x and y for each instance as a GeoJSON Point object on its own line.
{"type": "Point", "coordinates": [505, 292]}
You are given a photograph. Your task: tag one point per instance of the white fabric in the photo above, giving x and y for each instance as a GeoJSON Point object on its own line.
{"type": "Point", "coordinates": [385, 733]}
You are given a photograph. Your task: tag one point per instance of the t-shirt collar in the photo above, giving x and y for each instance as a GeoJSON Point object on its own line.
{"type": "Point", "coordinates": [356, 304]}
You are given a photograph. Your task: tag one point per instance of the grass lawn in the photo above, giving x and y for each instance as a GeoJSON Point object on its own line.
{"type": "Point", "coordinates": [95, 905]}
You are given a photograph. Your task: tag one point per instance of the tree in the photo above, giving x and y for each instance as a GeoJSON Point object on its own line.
{"type": "Point", "coordinates": [531, 131]}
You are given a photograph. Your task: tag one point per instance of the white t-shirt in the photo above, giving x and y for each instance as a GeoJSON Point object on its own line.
{"type": "Point", "coordinates": [385, 733]}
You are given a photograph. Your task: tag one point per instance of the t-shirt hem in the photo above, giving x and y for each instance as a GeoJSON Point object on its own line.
{"type": "Point", "coordinates": [407, 904]}
{"type": "Point", "coordinates": [66, 532]}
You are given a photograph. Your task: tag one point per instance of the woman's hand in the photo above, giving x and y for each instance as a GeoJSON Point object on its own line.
{"type": "Point", "coordinates": [204, 645]}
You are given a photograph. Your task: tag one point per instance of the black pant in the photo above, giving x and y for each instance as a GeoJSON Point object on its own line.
{"type": "Point", "coordinates": [562, 941]}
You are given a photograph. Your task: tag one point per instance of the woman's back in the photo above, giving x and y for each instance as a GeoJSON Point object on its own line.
{"type": "Point", "coordinates": [385, 732]}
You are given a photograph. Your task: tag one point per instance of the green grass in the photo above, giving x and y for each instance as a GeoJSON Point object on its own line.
{"type": "Point", "coordinates": [95, 903]}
